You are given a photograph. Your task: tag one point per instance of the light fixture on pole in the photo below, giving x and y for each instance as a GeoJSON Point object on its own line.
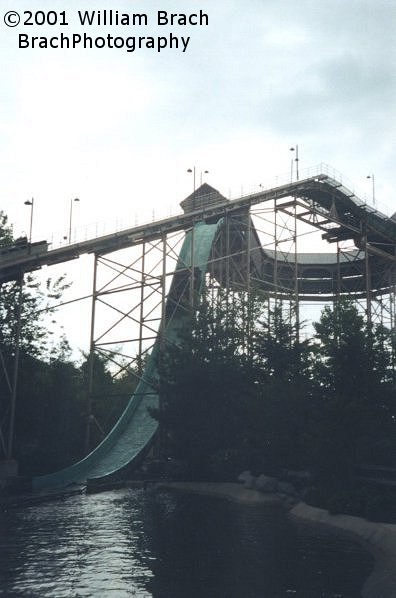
{"type": "Point", "coordinates": [296, 160]}
{"type": "Point", "coordinates": [371, 176]}
{"type": "Point", "coordinates": [192, 170]}
{"type": "Point", "coordinates": [71, 216]}
{"type": "Point", "coordinates": [203, 172]}
{"type": "Point", "coordinates": [30, 202]}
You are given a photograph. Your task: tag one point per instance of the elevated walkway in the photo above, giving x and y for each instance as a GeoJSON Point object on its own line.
{"type": "Point", "coordinates": [342, 214]}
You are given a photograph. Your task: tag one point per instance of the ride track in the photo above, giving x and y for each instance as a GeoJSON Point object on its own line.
{"type": "Point", "coordinates": [222, 241]}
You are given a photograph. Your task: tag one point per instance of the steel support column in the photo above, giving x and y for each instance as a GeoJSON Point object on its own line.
{"type": "Point", "coordinates": [141, 311]}
{"type": "Point", "coordinates": [368, 280]}
{"type": "Point", "coordinates": [91, 363]}
{"type": "Point", "coordinates": [296, 285]}
{"type": "Point", "coordinates": [11, 430]}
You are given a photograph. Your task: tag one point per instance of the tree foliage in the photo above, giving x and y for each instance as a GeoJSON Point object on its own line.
{"type": "Point", "coordinates": [250, 394]}
{"type": "Point", "coordinates": [35, 301]}
{"type": "Point", "coordinates": [221, 390]}
{"type": "Point", "coordinates": [201, 415]}
{"type": "Point", "coordinates": [353, 368]}
{"type": "Point", "coordinates": [51, 412]}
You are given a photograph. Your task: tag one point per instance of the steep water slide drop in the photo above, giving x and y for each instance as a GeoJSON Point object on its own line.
{"type": "Point", "coordinates": [135, 431]}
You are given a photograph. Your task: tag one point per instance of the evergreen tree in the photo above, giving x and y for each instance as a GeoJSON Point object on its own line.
{"type": "Point", "coordinates": [47, 409]}
{"type": "Point", "coordinates": [205, 388]}
{"type": "Point", "coordinates": [353, 369]}
{"type": "Point", "coordinates": [282, 418]}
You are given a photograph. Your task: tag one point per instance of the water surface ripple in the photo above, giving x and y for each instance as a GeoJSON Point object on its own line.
{"type": "Point", "coordinates": [161, 545]}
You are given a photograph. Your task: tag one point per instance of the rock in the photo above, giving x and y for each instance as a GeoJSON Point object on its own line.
{"type": "Point", "coordinates": [242, 476]}
{"type": "Point", "coordinates": [247, 479]}
{"type": "Point", "coordinates": [266, 484]}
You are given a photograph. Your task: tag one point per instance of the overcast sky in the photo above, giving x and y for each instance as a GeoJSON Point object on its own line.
{"type": "Point", "coordinates": [119, 130]}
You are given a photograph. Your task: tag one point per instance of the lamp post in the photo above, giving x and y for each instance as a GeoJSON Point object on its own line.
{"type": "Point", "coordinates": [30, 202]}
{"type": "Point", "coordinates": [371, 176]}
{"type": "Point", "coordinates": [71, 216]}
{"type": "Point", "coordinates": [193, 171]}
{"type": "Point", "coordinates": [203, 172]}
{"type": "Point", "coordinates": [296, 160]}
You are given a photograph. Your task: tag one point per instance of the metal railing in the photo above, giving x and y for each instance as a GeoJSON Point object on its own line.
{"type": "Point", "coordinates": [148, 215]}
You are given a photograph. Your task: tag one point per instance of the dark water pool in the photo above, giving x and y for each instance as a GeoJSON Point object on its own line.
{"type": "Point", "coordinates": [162, 545]}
